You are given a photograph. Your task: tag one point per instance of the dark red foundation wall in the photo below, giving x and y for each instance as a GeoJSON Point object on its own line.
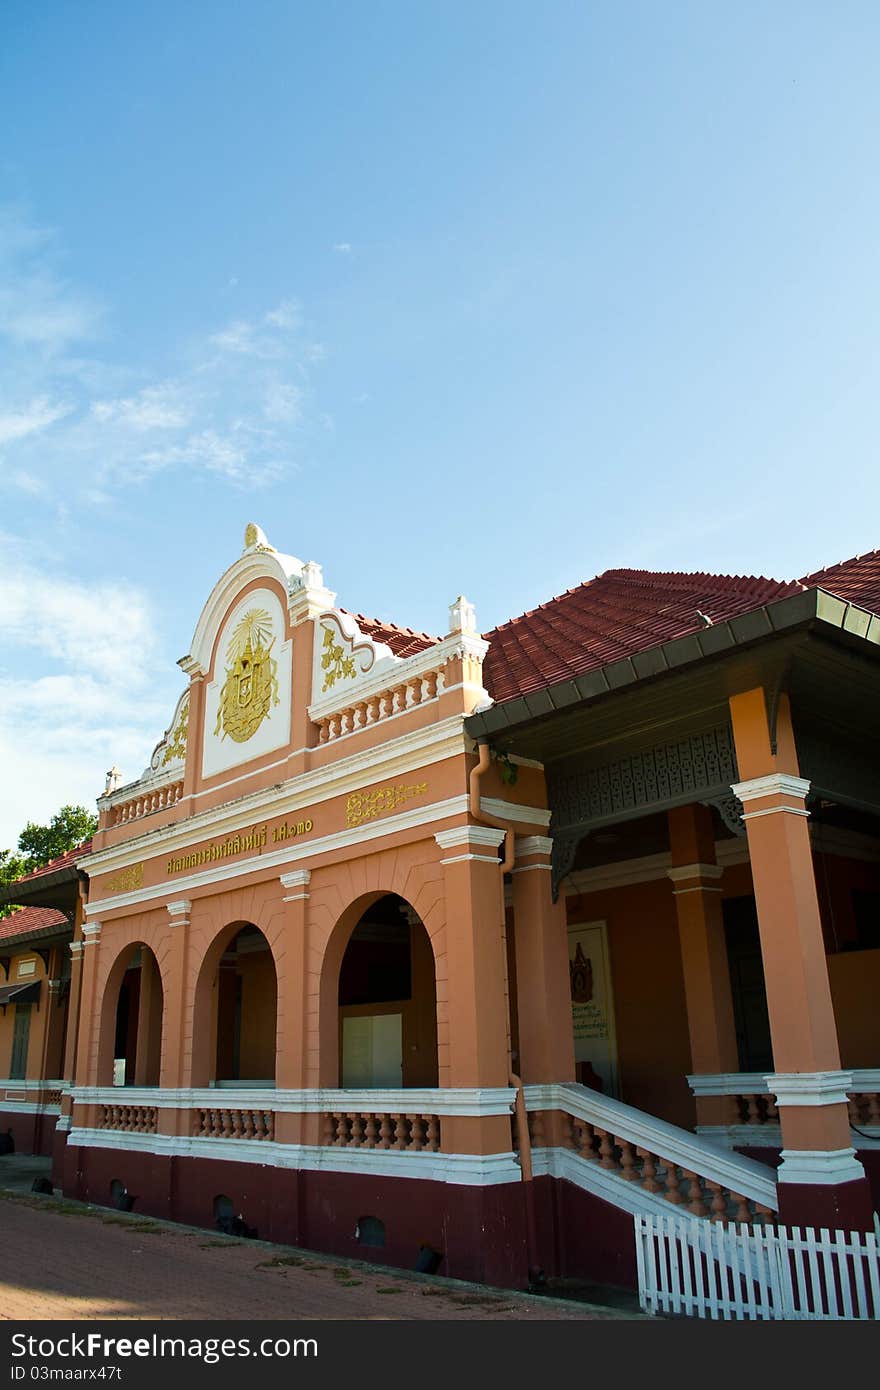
{"type": "Point", "coordinates": [31, 1134]}
{"type": "Point", "coordinates": [480, 1231]}
{"type": "Point", "coordinates": [580, 1236]}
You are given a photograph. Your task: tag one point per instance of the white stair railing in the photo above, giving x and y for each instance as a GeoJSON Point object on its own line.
{"type": "Point", "coordinates": [640, 1162]}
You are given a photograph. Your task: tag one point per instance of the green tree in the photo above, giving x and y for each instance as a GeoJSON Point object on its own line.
{"type": "Point", "coordinates": [37, 844]}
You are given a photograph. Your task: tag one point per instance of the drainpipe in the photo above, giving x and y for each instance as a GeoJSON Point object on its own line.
{"type": "Point", "coordinates": [479, 814]}
{"type": "Point", "coordinates": [536, 1274]}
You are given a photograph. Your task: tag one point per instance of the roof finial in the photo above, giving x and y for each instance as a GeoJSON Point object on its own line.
{"type": "Point", "coordinates": [255, 538]}
{"type": "Point", "coordinates": [462, 616]}
{"type": "Point", "coordinates": [114, 780]}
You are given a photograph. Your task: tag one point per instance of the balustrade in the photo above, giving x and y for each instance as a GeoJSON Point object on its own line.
{"type": "Point", "coordinates": [653, 1172]}
{"type": "Point", "coordinates": [373, 1130]}
{"type": "Point", "coordinates": [229, 1123]}
{"type": "Point", "coordinates": [131, 1119]}
{"type": "Point", "coordinates": [160, 799]}
{"type": "Point", "coordinates": [362, 714]}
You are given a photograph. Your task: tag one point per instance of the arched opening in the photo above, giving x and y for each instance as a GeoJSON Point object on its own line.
{"type": "Point", "coordinates": [136, 1019]}
{"type": "Point", "coordinates": [243, 1023]}
{"type": "Point", "coordinates": [388, 1000]}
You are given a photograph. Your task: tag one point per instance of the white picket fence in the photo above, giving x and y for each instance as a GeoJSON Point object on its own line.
{"type": "Point", "coordinates": [707, 1269]}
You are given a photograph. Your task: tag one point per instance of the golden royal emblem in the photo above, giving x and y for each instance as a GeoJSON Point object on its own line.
{"type": "Point", "coordinates": [251, 685]}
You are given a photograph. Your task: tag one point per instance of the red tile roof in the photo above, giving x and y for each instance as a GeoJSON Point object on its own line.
{"type": "Point", "coordinates": [64, 861]}
{"type": "Point", "coordinates": [403, 641]}
{"type": "Point", "coordinates": [625, 611]}
{"type": "Point", "coordinates": [856, 580]}
{"type": "Point", "coordinates": [30, 919]}
{"type": "Point", "coordinates": [619, 613]}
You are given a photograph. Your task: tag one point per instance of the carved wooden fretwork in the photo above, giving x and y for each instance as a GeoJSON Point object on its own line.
{"type": "Point", "coordinates": [698, 768]}
{"type": "Point", "coordinates": [729, 808]}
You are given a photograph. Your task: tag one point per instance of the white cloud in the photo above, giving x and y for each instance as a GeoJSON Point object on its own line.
{"type": "Point", "coordinates": [154, 408]}
{"type": "Point", "coordinates": [282, 402]}
{"type": "Point", "coordinates": [26, 482]}
{"type": "Point", "coordinates": [286, 315]}
{"type": "Point", "coordinates": [343, 247]}
{"type": "Point", "coordinates": [79, 425]}
{"type": "Point", "coordinates": [38, 309]}
{"type": "Point", "coordinates": [237, 337]}
{"type": "Point", "coordinates": [59, 732]}
{"type": "Point", "coordinates": [32, 418]}
{"type": "Point", "coordinates": [101, 629]}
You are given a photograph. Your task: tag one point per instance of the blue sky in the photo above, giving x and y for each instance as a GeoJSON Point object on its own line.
{"type": "Point", "coordinates": [445, 296]}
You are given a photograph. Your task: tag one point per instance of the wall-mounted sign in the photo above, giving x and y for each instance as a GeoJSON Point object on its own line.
{"type": "Point", "coordinates": [592, 1008]}
{"type": "Point", "coordinates": [256, 839]}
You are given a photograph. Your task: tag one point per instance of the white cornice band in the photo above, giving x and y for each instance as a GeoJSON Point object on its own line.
{"type": "Point", "coordinates": [470, 1170]}
{"type": "Point", "coordinates": [369, 766]}
{"type": "Point", "coordinates": [424, 1100]}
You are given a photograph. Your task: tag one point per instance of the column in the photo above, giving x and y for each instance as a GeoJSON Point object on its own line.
{"type": "Point", "coordinates": [476, 1028]}
{"type": "Point", "coordinates": [821, 1181]}
{"type": "Point", "coordinates": [290, 1064]}
{"type": "Point", "coordinates": [546, 1042]}
{"type": "Point", "coordinates": [176, 1014]}
{"type": "Point", "coordinates": [696, 886]}
{"type": "Point", "coordinates": [88, 1013]}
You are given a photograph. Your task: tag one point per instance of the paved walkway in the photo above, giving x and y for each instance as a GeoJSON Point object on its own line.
{"type": "Point", "coordinates": [68, 1260]}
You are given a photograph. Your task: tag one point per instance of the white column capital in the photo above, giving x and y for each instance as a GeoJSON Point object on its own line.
{"type": "Point", "coordinates": [810, 1087]}
{"type": "Point", "coordinates": [470, 836]}
{"type": "Point", "coordinates": [179, 911]}
{"type": "Point", "coordinates": [91, 933]}
{"type": "Point", "coordinates": [297, 880]}
{"type": "Point", "coordinates": [76, 949]}
{"type": "Point", "coordinates": [533, 844]}
{"type": "Point", "coordinates": [773, 784]}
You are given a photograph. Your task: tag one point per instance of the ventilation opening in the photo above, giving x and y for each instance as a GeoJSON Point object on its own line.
{"type": "Point", "coordinates": [120, 1195]}
{"type": "Point", "coordinates": [370, 1231]}
{"type": "Point", "coordinates": [223, 1209]}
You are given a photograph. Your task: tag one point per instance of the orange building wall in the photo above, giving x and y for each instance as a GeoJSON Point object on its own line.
{"type": "Point", "coordinates": [38, 1018]}
{"type": "Point", "coordinates": [855, 991]}
{"type": "Point", "coordinates": [648, 988]}
{"type": "Point", "coordinates": [653, 1048]}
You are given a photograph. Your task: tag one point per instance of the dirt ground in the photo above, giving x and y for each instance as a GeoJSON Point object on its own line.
{"type": "Point", "coordinates": [73, 1261]}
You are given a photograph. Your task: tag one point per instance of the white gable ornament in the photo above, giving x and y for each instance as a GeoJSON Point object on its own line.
{"type": "Point", "coordinates": [169, 755]}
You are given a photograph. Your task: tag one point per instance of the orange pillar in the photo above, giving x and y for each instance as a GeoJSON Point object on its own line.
{"type": "Point", "coordinates": [290, 1059]}
{"type": "Point", "coordinates": [546, 1041]}
{"type": "Point", "coordinates": [86, 1048]}
{"type": "Point", "coordinates": [821, 1181]}
{"type": "Point", "coordinates": [176, 1004]}
{"type": "Point", "coordinates": [696, 886]}
{"type": "Point", "coordinates": [478, 1024]}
